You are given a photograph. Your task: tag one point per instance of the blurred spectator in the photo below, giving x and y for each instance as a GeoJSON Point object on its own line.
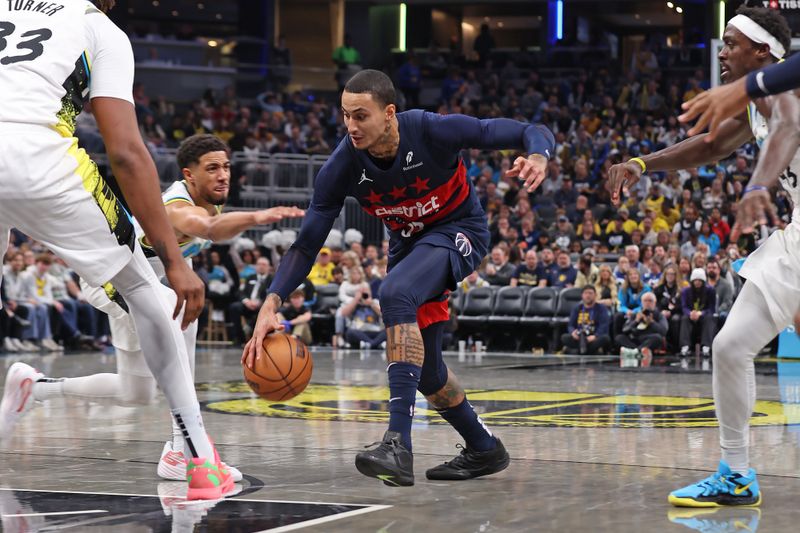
{"type": "Point", "coordinates": [498, 270]}
{"type": "Point", "coordinates": [606, 287]}
{"type": "Point", "coordinates": [530, 273]}
{"type": "Point", "coordinates": [21, 291]}
{"type": "Point", "coordinates": [281, 64]}
{"type": "Point", "coordinates": [484, 44]}
{"type": "Point", "coordinates": [564, 275]}
{"type": "Point", "coordinates": [348, 61]}
{"type": "Point", "coordinates": [221, 289]}
{"type": "Point", "coordinates": [364, 325]}
{"type": "Point", "coordinates": [322, 271]}
{"type": "Point", "coordinates": [633, 254]}
{"type": "Point", "coordinates": [630, 296]}
{"type": "Point", "coordinates": [409, 81]}
{"type": "Point", "coordinates": [719, 226]}
{"type": "Point", "coordinates": [253, 294]}
{"type": "Point", "coordinates": [296, 317]}
{"type": "Point", "coordinates": [472, 281]}
{"type": "Point", "coordinates": [646, 330]}
{"type": "Point", "coordinates": [621, 269]}
{"type": "Point", "coordinates": [698, 301]}
{"type": "Point", "coordinates": [722, 287]}
{"type": "Point", "coordinates": [588, 273]}
{"type": "Point", "coordinates": [689, 247]}
{"type": "Point", "coordinates": [588, 329]}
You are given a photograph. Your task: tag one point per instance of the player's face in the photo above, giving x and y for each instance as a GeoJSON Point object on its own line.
{"type": "Point", "coordinates": [212, 177]}
{"type": "Point", "coordinates": [739, 55]}
{"type": "Point", "coordinates": [366, 120]}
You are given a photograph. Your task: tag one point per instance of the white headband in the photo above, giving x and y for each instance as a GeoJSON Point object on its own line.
{"type": "Point", "coordinates": [756, 33]}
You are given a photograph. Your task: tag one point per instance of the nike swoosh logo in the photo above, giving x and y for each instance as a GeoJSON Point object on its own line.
{"type": "Point", "coordinates": [386, 478]}
{"type": "Point", "coordinates": [738, 490]}
{"type": "Point", "coordinates": [393, 399]}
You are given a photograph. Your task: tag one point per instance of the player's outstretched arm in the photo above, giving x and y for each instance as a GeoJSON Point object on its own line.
{"type": "Point", "coordinates": [691, 152]}
{"type": "Point", "coordinates": [197, 222]}
{"type": "Point", "coordinates": [137, 177]}
{"type": "Point", "coordinates": [456, 132]}
{"type": "Point", "coordinates": [777, 152]}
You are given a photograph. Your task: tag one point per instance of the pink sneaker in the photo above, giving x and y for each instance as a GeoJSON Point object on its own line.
{"type": "Point", "coordinates": [17, 396]}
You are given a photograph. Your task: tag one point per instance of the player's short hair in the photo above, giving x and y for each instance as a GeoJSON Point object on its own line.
{"type": "Point", "coordinates": [771, 20]}
{"type": "Point", "coordinates": [196, 146]}
{"type": "Point", "coordinates": [374, 82]}
{"type": "Point", "coordinates": [105, 5]}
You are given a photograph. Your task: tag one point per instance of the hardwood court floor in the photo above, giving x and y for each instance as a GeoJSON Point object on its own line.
{"type": "Point", "coordinates": [593, 449]}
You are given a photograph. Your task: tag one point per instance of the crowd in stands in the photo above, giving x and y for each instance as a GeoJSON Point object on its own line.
{"type": "Point", "coordinates": [660, 266]}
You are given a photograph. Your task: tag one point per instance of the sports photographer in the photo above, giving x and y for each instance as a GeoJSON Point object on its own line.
{"type": "Point", "coordinates": [642, 332]}
{"type": "Point", "coordinates": [588, 325]}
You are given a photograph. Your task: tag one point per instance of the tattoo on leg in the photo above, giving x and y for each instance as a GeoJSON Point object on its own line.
{"type": "Point", "coordinates": [450, 395]}
{"type": "Point", "coordinates": [404, 344]}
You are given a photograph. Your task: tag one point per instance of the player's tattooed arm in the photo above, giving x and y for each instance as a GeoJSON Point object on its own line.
{"type": "Point", "coordinates": [451, 395]}
{"type": "Point", "coordinates": [404, 344]}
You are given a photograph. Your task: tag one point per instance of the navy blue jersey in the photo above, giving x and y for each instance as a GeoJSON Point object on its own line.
{"type": "Point", "coordinates": [425, 187]}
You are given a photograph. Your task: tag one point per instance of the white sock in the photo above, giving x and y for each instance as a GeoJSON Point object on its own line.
{"type": "Point", "coordinates": [738, 459]}
{"type": "Point", "coordinates": [164, 349]}
{"type": "Point", "coordinates": [48, 388]}
{"type": "Point", "coordinates": [194, 433]}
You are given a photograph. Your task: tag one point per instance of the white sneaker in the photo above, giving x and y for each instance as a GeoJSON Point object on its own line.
{"type": "Point", "coordinates": [172, 465]}
{"type": "Point", "coordinates": [17, 396]}
{"type": "Point", "coordinates": [17, 343]}
{"type": "Point", "coordinates": [364, 345]}
{"type": "Point", "coordinates": [9, 346]}
{"type": "Point", "coordinates": [51, 345]}
{"type": "Point", "coordinates": [706, 351]}
{"type": "Point", "coordinates": [29, 346]}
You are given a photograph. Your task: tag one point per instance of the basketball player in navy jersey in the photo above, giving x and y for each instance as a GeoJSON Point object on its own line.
{"type": "Point", "coordinates": [405, 169]}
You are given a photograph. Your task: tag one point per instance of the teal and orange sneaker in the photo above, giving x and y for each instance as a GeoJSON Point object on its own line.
{"type": "Point", "coordinates": [721, 489]}
{"type": "Point", "coordinates": [209, 479]}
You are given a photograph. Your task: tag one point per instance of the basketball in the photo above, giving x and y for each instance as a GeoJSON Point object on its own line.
{"type": "Point", "coordinates": [285, 370]}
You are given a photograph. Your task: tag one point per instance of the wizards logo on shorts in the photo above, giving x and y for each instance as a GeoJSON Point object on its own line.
{"type": "Point", "coordinates": [463, 244]}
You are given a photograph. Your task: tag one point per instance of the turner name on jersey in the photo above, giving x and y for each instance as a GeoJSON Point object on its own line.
{"type": "Point", "coordinates": [45, 8]}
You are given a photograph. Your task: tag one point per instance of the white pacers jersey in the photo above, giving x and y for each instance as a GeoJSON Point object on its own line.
{"type": "Point", "coordinates": [177, 192]}
{"type": "Point", "coordinates": [52, 54]}
{"type": "Point", "coordinates": [774, 267]}
{"type": "Point", "coordinates": [789, 177]}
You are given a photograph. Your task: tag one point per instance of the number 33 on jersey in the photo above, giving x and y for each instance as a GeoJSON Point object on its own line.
{"type": "Point", "coordinates": [71, 45]}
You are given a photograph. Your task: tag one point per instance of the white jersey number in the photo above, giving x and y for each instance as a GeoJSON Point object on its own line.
{"type": "Point", "coordinates": [33, 44]}
{"type": "Point", "coordinates": [789, 177]}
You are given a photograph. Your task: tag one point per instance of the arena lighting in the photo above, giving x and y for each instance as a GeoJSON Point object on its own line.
{"type": "Point", "coordinates": [670, 5]}
{"type": "Point", "coordinates": [212, 43]}
{"type": "Point", "coordinates": [679, 9]}
{"type": "Point", "coordinates": [560, 19]}
{"type": "Point", "coordinates": [721, 19]}
{"type": "Point", "coordinates": [401, 45]}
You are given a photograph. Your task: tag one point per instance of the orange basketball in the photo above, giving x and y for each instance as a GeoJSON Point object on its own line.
{"type": "Point", "coordinates": [284, 371]}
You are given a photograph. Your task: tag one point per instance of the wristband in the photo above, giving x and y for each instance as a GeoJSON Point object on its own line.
{"type": "Point", "coordinates": [639, 161]}
{"type": "Point", "coordinates": [287, 325]}
{"type": "Point", "coordinates": [754, 84]}
{"type": "Point", "coordinates": [753, 188]}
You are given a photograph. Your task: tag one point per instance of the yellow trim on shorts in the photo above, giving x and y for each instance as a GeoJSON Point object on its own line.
{"type": "Point", "coordinates": [95, 185]}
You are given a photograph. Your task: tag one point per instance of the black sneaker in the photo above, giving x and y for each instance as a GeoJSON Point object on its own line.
{"type": "Point", "coordinates": [389, 461]}
{"type": "Point", "coordinates": [470, 463]}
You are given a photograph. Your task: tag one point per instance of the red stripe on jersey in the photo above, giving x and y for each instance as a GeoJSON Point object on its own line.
{"type": "Point", "coordinates": [427, 209]}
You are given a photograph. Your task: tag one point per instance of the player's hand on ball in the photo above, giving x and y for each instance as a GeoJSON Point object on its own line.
{"type": "Point", "coordinates": [189, 290]}
{"type": "Point", "coordinates": [266, 323]}
{"type": "Point", "coordinates": [532, 170]}
{"type": "Point", "coordinates": [715, 106]}
{"type": "Point", "coordinates": [276, 214]}
{"type": "Point", "coordinates": [622, 176]}
{"type": "Point", "coordinates": [755, 207]}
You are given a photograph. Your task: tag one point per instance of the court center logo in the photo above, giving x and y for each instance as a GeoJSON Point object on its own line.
{"type": "Point", "coordinates": [499, 408]}
{"type": "Point", "coordinates": [463, 244]}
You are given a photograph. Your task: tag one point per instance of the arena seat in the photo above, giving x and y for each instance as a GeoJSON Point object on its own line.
{"type": "Point", "coordinates": [478, 304]}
